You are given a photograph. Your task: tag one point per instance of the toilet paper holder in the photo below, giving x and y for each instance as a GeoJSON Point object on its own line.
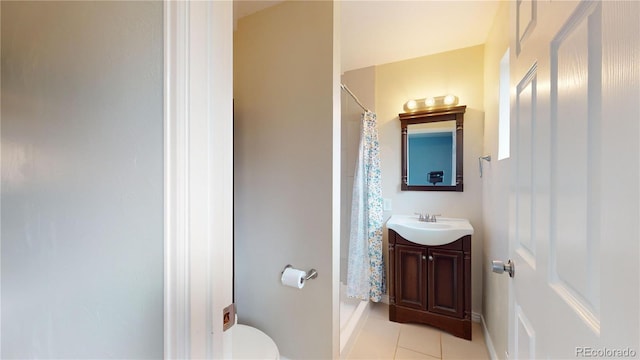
{"type": "Point", "coordinates": [311, 274]}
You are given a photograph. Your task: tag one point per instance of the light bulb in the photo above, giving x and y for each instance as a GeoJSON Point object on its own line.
{"type": "Point", "coordinates": [429, 102]}
{"type": "Point", "coordinates": [411, 104]}
{"type": "Point", "coordinates": [449, 100]}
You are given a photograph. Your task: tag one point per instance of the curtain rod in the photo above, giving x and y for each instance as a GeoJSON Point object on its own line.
{"type": "Point", "coordinates": [345, 88]}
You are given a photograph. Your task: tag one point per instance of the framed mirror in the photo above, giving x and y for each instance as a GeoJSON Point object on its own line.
{"type": "Point", "coordinates": [432, 149]}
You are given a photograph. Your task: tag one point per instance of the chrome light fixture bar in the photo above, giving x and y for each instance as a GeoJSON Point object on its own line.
{"type": "Point", "coordinates": [431, 103]}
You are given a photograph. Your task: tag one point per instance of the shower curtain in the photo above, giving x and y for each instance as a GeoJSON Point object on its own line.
{"type": "Point", "coordinates": [365, 269]}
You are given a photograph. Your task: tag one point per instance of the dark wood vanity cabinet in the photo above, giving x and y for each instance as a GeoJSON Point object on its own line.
{"type": "Point", "coordinates": [431, 284]}
{"type": "Point", "coordinates": [411, 275]}
{"type": "Point", "coordinates": [445, 282]}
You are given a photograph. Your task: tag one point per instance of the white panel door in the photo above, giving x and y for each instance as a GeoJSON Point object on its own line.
{"type": "Point", "coordinates": [574, 195]}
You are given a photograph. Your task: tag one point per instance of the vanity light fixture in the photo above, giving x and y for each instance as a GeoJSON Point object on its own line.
{"type": "Point", "coordinates": [431, 103]}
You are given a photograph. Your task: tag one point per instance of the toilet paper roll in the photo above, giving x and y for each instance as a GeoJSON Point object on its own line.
{"type": "Point", "coordinates": [293, 277]}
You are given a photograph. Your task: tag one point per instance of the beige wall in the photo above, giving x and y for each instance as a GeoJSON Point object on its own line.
{"type": "Point", "coordinates": [495, 196]}
{"type": "Point", "coordinates": [458, 72]}
{"type": "Point", "coordinates": [284, 89]}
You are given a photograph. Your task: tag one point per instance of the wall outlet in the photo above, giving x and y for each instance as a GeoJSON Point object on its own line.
{"type": "Point", "coordinates": [386, 205]}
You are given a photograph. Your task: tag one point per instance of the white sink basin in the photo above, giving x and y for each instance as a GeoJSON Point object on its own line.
{"type": "Point", "coordinates": [444, 231]}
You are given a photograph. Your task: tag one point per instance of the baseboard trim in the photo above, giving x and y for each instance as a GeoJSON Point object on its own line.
{"type": "Point", "coordinates": [476, 317]}
{"type": "Point", "coordinates": [487, 339]}
{"type": "Point", "coordinates": [385, 299]}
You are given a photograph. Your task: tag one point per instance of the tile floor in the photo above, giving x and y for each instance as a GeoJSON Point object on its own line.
{"type": "Point", "coordinates": [383, 339]}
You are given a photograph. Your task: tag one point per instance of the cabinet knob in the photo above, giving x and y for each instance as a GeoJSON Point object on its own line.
{"type": "Point", "coordinates": [424, 257]}
{"type": "Point", "coordinates": [430, 258]}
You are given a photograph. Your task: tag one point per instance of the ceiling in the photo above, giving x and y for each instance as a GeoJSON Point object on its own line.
{"type": "Point", "coordinates": [380, 32]}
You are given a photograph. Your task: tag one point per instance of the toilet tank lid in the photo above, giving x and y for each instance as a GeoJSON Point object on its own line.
{"type": "Point", "coordinates": [251, 343]}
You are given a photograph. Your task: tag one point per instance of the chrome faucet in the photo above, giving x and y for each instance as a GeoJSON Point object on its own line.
{"type": "Point", "coordinates": [426, 217]}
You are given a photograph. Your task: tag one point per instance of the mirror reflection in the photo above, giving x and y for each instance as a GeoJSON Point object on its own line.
{"type": "Point", "coordinates": [431, 153]}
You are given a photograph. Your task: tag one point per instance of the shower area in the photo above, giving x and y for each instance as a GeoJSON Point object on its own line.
{"type": "Point", "coordinates": [356, 272]}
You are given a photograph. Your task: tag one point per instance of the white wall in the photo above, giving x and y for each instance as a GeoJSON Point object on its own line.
{"type": "Point", "coordinates": [495, 190]}
{"type": "Point", "coordinates": [82, 180]}
{"type": "Point", "coordinates": [285, 85]}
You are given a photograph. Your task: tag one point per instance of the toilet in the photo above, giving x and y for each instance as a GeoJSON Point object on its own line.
{"type": "Point", "coordinates": [250, 343]}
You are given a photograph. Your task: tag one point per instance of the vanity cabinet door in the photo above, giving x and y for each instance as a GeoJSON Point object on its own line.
{"type": "Point", "coordinates": [445, 283]}
{"type": "Point", "coordinates": [410, 277]}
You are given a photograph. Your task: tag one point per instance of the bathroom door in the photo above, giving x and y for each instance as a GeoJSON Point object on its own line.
{"type": "Point", "coordinates": [573, 224]}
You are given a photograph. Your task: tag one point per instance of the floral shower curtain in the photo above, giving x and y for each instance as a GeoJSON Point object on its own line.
{"type": "Point", "coordinates": [365, 270]}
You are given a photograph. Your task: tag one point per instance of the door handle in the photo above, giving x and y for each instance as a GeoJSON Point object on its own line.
{"type": "Point", "coordinates": [499, 267]}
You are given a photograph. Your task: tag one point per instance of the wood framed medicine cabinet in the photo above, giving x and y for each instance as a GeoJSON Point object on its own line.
{"type": "Point", "coordinates": [436, 165]}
